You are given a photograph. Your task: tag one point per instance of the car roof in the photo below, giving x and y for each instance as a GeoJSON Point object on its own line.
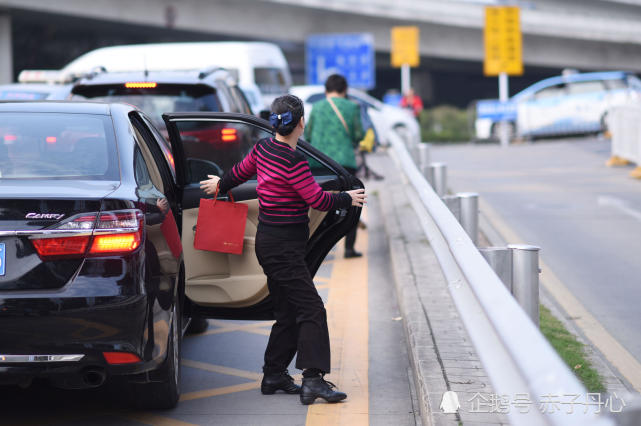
{"type": "Point", "coordinates": [69, 107]}
{"type": "Point", "coordinates": [572, 78]}
{"type": "Point", "coordinates": [165, 77]}
{"type": "Point", "coordinates": [305, 91]}
{"type": "Point", "coordinates": [157, 56]}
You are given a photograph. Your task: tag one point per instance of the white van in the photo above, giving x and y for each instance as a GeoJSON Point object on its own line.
{"type": "Point", "coordinates": [254, 64]}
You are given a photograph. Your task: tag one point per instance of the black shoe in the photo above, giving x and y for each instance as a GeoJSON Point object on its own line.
{"type": "Point", "coordinates": [314, 387]}
{"type": "Point", "coordinates": [349, 253]}
{"type": "Point", "coordinates": [278, 381]}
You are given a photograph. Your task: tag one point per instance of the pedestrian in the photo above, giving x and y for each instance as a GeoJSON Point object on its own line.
{"type": "Point", "coordinates": [335, 128]}
{"type": "Point", "coordinates": [286, 190]}
{"type": "Point", "coordinates": [412, 102]}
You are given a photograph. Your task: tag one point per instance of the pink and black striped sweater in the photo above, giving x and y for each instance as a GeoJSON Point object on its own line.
{"type": "Point", "coordinates": [286, 188]}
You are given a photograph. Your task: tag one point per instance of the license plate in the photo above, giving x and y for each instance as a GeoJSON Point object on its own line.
{"type": "Point", "coordinates": [2, 258]}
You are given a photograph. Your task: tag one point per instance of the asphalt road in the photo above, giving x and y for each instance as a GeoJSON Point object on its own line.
{"type": "Point", "coordinates": [221, 367]}
{"type": "Point", "coordinates": [586, 218]}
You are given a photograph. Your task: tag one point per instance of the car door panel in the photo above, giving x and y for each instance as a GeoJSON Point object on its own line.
{"type": "Point", "coordinates": [233, 286]}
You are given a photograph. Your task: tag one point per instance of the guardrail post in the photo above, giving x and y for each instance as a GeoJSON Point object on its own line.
{"type": "Point", "coordinates": [500, 259]}
{"type": "Point", "coordinates": [525, 278]}
{"type": "Point", "coordinates": [423, 157]}
{"type": "Point", "coordinates": [453, 202]}
{"type": "Point", "coordinates": [469, 202]}
{"type": "Point", "coordinates": [437, 177]}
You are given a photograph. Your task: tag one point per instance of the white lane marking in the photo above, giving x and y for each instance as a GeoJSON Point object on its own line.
{"type": "Point", "coordinates": [619, 204]}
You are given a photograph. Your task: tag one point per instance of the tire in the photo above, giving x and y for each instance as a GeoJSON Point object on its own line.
{"type": "Point", "coordinates": [496, 133]}
{"type": "Point", "coordinates": [163, 393]}
{"type": "Point", "coordinates": [197, 325]}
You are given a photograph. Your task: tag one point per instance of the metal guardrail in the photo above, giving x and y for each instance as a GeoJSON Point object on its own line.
{"type": "Point", "coordinates": [517, 357]}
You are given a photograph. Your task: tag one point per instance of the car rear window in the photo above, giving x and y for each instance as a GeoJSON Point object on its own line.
{"type": "Point", "coordinates": [58, 146]}
{"type": "Point", "coordinates": [154, 101]}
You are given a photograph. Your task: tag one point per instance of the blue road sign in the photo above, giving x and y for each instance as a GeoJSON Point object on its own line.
{"type": "Point", "coordinates": [351, 55]}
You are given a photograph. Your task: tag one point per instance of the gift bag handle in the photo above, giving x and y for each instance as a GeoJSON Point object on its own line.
{"type": "Point", "coordinates": [229, 194]}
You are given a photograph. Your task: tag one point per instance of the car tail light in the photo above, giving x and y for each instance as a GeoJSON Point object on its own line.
{"type": "Point", "coordinates": [141, 85]}
{"type": "Point", "coordinates": [51, 139]}
{"type": "Point", "coordinates": [10, 138]}
{"type": "Point", "coordinates": [121, 357]}
{"type": "Point", "coordinates": [115, 243]}
{"type": "Point", "coordinates": [62, 246]}
{"type": "Point", "coordinates": [106, 233]}
{"type": "Point", "coordinates": [229, 135]}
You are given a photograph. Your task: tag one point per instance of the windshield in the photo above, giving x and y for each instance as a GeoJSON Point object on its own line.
{"type": "Point", "coordinates": [154, 101]}
{"type": "Point", "coordinates": [60, 146]}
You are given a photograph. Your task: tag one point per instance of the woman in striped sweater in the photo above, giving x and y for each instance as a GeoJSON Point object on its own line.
{"type": "Point", "coordinates": [286, 189]}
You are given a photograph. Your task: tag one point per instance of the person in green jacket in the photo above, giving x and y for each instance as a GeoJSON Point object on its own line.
{"type": "Point", "coordinates": [335, 128]}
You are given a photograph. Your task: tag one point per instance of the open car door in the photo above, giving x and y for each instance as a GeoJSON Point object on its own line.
{"type": "Point", "coordinates": [220, 285]}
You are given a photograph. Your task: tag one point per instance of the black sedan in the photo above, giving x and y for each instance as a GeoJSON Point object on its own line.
{"type": "Point", "coordinates": [98, 272]}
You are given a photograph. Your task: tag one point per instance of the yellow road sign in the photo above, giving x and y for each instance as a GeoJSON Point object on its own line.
{"type": "Point", "coordinates": [503, 44]}
{"type": "Point", "coordinates": [405, 46]}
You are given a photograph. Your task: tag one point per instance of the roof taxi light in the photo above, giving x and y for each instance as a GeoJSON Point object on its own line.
{"type": "Point", "coordinates": [141, 85]}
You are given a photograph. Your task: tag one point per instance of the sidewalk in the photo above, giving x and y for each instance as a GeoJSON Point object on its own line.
{"type": "Point", "coordinates": [441, 354]}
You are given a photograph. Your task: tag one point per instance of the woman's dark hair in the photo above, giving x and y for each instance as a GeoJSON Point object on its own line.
{"type": "Point", "coordinates": [283, 104]}
{"type": "Point", "coordinates": [336, 83]}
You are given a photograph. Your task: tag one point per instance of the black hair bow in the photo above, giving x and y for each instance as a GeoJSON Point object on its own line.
{"type": "Point", "coordinates": [276, 119]}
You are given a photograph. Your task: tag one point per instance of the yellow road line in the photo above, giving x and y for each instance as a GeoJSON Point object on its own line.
{"type": "Point", "coordinates": [220, 391]}
{"type": "Point", "coordinates": [226, 327]}
{"type": "Point", "coordinates": [349, 334]}
{"type": "Point", "coordinates": [618, 356]}
{"type": "Point", "coordinates": [251, 375]}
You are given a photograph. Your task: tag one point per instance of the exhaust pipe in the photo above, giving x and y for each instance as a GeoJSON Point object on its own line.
{"type": "Point", "coordinates": [94, 376]}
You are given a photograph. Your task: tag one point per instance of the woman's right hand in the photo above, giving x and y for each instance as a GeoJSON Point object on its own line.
{"type": "Point", "coordinates": [210, 185]}
{"type": "Point", "coordinates": [359, 197]}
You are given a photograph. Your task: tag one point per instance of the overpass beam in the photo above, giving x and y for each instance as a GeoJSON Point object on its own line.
{"type": "Point", "coordinates": [6, 50]}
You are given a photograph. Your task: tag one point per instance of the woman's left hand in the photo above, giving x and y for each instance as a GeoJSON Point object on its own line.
{"type": "Point", "coordinates": [210, 185]}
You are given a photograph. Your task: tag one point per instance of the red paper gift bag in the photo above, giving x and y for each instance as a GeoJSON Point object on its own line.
{"type": "Point", "coordinates": [220, 226]}
{"type": "Point", "coordinates": [170, 230]}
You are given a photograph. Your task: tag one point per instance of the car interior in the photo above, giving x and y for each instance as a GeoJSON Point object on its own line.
{"type": "Point", "coordinates": [212, 278]}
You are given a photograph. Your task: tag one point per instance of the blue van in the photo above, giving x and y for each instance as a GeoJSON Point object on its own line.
{"type": "Point", "coordinates": [572, 103]}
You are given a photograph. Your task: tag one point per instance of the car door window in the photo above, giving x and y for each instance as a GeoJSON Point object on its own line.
{"type": "Point", "coordinates": [164, 145]}
{"type": "Point", "coordinates": [551, 92]}
{"type": "Point", "coordinates": [241, 100]}
{"type": "Point", "coordinates": [586, 87]}
{"type": "Point", "coordinates": [270, 80]}
{"type": "Point", "coordinates": [152, 169]}
{"type": "Point", "coordinates": [213, 147]}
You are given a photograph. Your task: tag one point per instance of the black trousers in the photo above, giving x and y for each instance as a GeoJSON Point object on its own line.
{"type": "Point", "coordinates": [301, 320]}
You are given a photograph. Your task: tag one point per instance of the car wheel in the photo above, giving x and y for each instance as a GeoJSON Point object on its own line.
{"type": "Point", "coordinates": [496, 131]}
{"type": "Point", "coordinates": [197, 325]}
{"type": "Point", "coordinates": [164, 391]}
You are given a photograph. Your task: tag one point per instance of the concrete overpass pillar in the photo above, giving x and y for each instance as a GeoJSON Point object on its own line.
{"type": "Point", "coordinates": [6, 50]}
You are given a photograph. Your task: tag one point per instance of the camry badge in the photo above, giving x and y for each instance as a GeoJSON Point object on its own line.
{"type": "Point", "coordinates": [54, 216]}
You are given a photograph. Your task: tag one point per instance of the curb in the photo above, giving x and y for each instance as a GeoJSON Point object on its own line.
{"type": "Point", "coordinates": [415, 325]}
